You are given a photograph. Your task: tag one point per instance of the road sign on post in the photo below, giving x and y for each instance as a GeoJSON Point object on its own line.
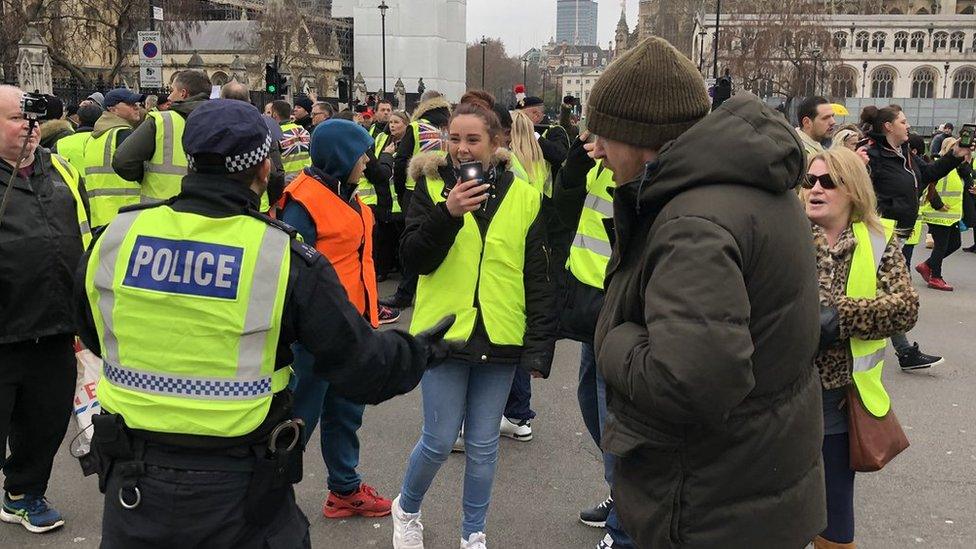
{"type": "Point", "coordinates": [150, 60]}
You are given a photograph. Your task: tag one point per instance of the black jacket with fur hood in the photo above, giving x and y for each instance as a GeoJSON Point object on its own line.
{"type": "Point", "coordinates": [429, 235]}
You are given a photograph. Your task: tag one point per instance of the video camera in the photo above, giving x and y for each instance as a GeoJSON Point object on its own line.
{"type": "Point", "coordinates": [34, 106]}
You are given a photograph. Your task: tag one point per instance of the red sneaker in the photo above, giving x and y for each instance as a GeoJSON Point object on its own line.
{"type": "Point", "coordinates": [924, 270]}
{"type": "Point", "coordinates": [365, 502]}
{"type": "Point", "coordinates": [940, 284]}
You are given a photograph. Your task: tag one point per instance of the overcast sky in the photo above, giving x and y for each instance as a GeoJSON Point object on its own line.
{"type": "Point", "coordinates": [524, 24]}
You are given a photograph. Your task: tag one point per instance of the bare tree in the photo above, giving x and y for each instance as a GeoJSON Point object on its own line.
{"type": "Point", "coordinates": [282, 31]}
{"type": "Point", "coordinates": [502, 71]}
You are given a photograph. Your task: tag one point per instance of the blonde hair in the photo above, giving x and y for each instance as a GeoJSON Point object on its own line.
{"type": "Point", "coordinates": [841, 137]}
{"type": "Point", "coordinates": [526, 147]}
{"type": "Point", "coordinates": [848, 172]}
{"type": "Point", "coordinates": [947, 144]}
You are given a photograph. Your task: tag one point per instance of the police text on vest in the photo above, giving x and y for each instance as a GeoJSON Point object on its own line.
{"type": "Point", "coordinates": [184, 267]}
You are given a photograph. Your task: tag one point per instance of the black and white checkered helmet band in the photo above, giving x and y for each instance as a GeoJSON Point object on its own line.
{"type": "Point", "coordinates": [241, 162]}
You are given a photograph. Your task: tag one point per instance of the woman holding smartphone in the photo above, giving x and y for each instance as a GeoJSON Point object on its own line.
{"type": "Point", "coordinates": [479, 245]}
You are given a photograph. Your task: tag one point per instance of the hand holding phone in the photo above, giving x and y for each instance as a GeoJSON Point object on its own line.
{"type": "Point", "coordinates": [470, 193]}
{"type": "Point", "coordinates": [967, 136]}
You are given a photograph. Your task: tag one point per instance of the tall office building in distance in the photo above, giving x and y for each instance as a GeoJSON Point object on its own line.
{"type": "Point", "coordinates": [576, 22]}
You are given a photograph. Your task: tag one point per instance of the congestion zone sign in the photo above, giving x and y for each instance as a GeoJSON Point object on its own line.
{"type": "Point", "coordinates": [150, 53]}
{"type": "Point", "coordinates": [150, 50]}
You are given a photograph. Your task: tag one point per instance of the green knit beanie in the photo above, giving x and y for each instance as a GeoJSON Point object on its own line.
{"type": "Point", "coordinates": [648, 96]}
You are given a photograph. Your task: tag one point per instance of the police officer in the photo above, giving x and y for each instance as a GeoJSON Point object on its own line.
{"type": "Point", "coordinates": [42, 233]}
{"type": "Point", "coordinates": [192, 305]}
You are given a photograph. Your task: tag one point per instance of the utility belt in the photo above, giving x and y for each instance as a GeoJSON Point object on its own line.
{"type": "Point", "coordinates": [274, 464]}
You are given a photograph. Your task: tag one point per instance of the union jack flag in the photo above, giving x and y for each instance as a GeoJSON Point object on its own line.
{"type": "Point", "coordinates": [429, 137]}
{"type": "Point", "coordinates": [295, 141]}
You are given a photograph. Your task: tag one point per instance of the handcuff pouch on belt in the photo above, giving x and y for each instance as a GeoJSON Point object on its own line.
{"type": "Point", "coordinates": [277, 465]}
{"type": "Point", "coordinates": [115, 449]}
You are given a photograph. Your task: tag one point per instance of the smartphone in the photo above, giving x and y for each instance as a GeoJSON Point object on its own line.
{"type": "Point", "coordinates": [966, 136]}
{"type": "Point", "coordinates": [862, 143]}
{"type": "Point", "coordinates": [467, 172]}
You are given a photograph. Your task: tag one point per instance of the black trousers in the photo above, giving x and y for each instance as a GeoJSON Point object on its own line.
{"type": "Point", "coordinates": [37, 388]}
{"type": "Point", "coordinates": [190, 509]}
{"type": "Point", "coordinates": [947, 239]}
{"type": "Point", "coordinates": [386, 246]}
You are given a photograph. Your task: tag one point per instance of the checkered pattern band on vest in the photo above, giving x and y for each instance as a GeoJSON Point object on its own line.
{"type": "Point", "coordinates": [201, 388]}
{"type": "Point", "coordinates": [240, 162]}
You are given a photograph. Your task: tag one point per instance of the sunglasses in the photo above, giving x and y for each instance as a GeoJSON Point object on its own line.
{"type": "Point", "coordinates": [825, 181]}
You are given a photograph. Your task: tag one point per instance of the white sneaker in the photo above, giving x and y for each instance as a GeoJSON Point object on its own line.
{"type": "Point", "coordinates": [408, 532]}
{"type": "Point", "coordinates": [476, 540]}
{"type": "Point", "coordinates": [522, 430]}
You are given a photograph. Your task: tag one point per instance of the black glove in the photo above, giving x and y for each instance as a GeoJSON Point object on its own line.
{"type": "Point", "coordinates": [829, 327]}
{"type": "Point", "coordinates": [438, 349]}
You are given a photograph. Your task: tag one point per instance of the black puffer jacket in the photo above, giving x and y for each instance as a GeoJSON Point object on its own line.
{"type": "Point", "coordinates": [40, 245]}
{"type": "Point", "coordinates": [428, 237]}
{"type": "Point", "coordinates": [706, 341]}
{"type": "Point", "coordinates": [900, 178]}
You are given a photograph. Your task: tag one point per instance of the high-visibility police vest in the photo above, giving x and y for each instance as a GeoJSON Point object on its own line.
{"type": "Point", "coordinates": [188, 312]}
{"type": "Point", "coordinates": [72, 148]}
{"type": "Point", "coordinates": [163, 177]}
{"type": "Point", "coordinates": [483, 276]}
{"type": "Point", "coordinates": [294, 150]}
{"type": "Point", "coordinates": [71, 178]}
{"type": "Point", "coordinates": [366, 190]}
{"type": "Point", "coordinates": [950, 190]}
{"type": "Point", "coordinates": [344, 236]}
{"type": "Point", "coordinates": [541, 181]}
{"type": "Point", "coordinates": [862, 282]}
{"type": "Point", "coordinates": [590, 252]}
{"type": "Point", "coordinates": [916, 235]}
{"type": "Point", "coordinates": [107, 191]}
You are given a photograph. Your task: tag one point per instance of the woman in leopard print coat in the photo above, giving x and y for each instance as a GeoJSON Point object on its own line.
{"type": "Point", "coordinates": [837, 193]}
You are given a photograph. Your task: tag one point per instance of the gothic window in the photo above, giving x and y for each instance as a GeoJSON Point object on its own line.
{"type": "Point", "coordinates": [878, 41]}
{"type": "Point", "coordinates": [940, 41]}
{"type": "Point", "coordinates": [901, 41]}
{"type": "Point", "coordinates": [956, 41]}
{"type": "Point", "coordinates": [861, 42]}
{"type": "Point", "coordinates": [840, 40]}
{"type": "Point", "coordinates": [843, 83]}
{"type": "Point", "coordinates": [918, 41]}
{"type": "Point", "coordinates": [923, 83]}
{"type": "Point", "coordinates": [964, 84]}
{"type": "Point", "coordinates": [882, 82]}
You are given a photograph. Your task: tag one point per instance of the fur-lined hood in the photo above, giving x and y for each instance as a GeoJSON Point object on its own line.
{"type": "Point", "coordinates": [427, 164]}
{"type": "Point", "coordinates": [59, 127]}
{"type": "Point", "coordinates": [429, 105]}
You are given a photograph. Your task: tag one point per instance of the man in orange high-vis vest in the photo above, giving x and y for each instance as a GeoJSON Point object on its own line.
{"type": "Point", "coordinates": [321, 203]}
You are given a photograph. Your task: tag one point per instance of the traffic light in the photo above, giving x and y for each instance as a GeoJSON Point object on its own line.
{"type": "Point", "coordinates": [272, 80]}
{"type": "Point", "coordinates": [343, 85]}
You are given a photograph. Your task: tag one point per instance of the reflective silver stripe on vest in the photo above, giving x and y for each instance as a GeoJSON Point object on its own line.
{"type": "Point", "coordinates": [85, 227]}
{"type": "Point", "coordinates": [260, 306]}
{"type": "Point", "coordinates": [186, 386]}
{"type": "Point", "coordinates": [366, 191]}
{"type": "Point", "coordinates": [112, 192]}
{"type": "Point", "coordinates": [168, 167]}
{"type": "Point", "coordinates": [943, 215]}
{"type": "Point", "coordinates": [950, 194]}
{"type": "Point", "coordinates": [592, 244]}
{"type": "Point", "coordinates": [878, 245]}
{"type": "Point", "coordinates": [111, 241]}
{"type": "Point", "coordinates": [865, 363]}
{"type": "Point", "coordinates": [599, 204]}
{"type": "Point", "coordinates": [106, 167]}
{"type": "Point", "coordinates": [295, 157]}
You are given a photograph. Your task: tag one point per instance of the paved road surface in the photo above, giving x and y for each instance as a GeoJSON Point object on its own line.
{"type": "Point", "coordinates": [926, 497]}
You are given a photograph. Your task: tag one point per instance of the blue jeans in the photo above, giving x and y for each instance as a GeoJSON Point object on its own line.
{"type": "Point", "coordinates": [338, 420]}
{"type": "Point", "coordinates": [519, 405]}
{"type": "Point", "coordinates": [592, 396]}
{"type": "Point", "coordinates": [455, 392]}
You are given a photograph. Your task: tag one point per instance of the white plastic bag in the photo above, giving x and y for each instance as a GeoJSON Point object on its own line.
{"type": "Point", "coordinates": [86, 401]}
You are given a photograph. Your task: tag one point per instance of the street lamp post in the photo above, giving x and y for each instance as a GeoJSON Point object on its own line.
{"type": "Point", "coordinates": [484, 45]}
{"type": "Point", "coordinates": [525, 65]}
{"type": "Point", "coordinates": [383, 7]}
{"type": "Point", "coordinates": [945, 80]}
{"type": "Point", "coordinates": [718, 12]}
{"type": "Point", "coordinates": [864, 77]}
{"type": "Point", "coordinates": [701, 48]}
{"type": "Point", "coordinates": [853, 28]}
{"type": "Point", "coordinates": [817, 55]}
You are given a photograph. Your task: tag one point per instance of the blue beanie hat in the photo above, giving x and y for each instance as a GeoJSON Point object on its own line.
{"type": "Point", "coordinates": [337, 145]}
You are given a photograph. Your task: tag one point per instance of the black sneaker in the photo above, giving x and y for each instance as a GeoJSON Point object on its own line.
{"type": "Point", "coordinates": [397, 301]}
{"type": "Point", "coordinates": [597, 516]}
{"type": "Point", "coordinates": [914, 359]}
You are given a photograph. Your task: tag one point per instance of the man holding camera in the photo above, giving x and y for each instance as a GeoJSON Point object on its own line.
{"type": "Point", "coordinates": [41, 242]}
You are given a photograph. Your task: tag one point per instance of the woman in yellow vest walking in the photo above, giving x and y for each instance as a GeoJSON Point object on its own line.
{"type": "Point", "coordinates": [942, 211]}
{"type": "Point", "coordinates": [866, 295]}
{"type": "Point", "coordinates": [479, 246]}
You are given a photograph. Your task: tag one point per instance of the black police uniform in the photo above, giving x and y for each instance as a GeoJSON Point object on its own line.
{"type": "Point", "coordinates": [198, 491]}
